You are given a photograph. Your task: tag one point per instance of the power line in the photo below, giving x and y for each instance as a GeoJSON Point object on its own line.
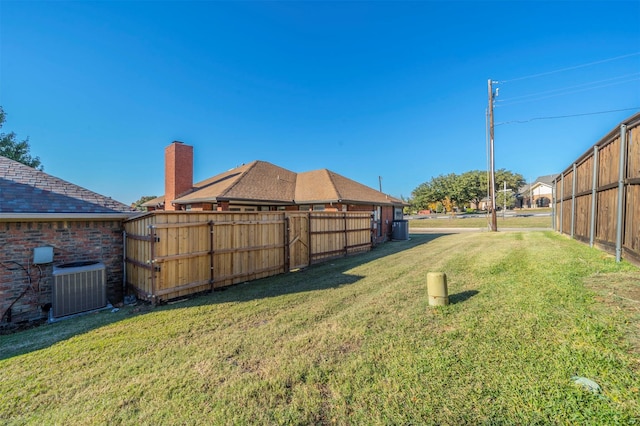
{"type": "Point", "coordinates": [582, 85]}
{"type": "Point", "coordinates": [570, 68]}
{"type": "Point", "coordinates": [565, 116]}
{"type": "Point", "coordinates": [507, 103]}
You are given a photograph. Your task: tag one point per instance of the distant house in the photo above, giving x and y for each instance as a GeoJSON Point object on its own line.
{"type": "Point", "coordinates": [262, 186]}
{"type": "Point", "coordinates": [46, 222]}
{"type": "Point", "coordinates": [537, 194]}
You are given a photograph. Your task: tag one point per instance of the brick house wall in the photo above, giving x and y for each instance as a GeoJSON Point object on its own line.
{"type": "Point", "coordinates": [73, 240]}
{"type": "Point", "coordinates": [387, 221]}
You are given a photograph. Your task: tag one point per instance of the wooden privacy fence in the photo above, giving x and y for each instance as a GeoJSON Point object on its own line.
{"type": "Point", "coordinates": [174, 254]}
{"type": "Point", "coordinates": [597, 198]}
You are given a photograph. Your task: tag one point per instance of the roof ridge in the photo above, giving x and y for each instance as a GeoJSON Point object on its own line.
{"type": "Point", "coordinates": [333, 183]}
{"type": "Point", "coordinates": [242, 174]}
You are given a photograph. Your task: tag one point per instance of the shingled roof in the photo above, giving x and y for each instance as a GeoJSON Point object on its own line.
{"type": "Point", "coordinates": [323, 185]}
{"type": "Point", "coordinates": [24, 190]}
{"type": "Point", "coordinates": [263, 182]}
{"type": "Point", "coordinates": [256, 181]}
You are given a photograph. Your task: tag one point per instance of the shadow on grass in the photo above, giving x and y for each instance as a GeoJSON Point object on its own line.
{"type": "Point", "coordinates": [321, 276]}
{"type": "Point", "coordinates": [325, 275]}
{"type": "Point", "coordinates": [462, 296]}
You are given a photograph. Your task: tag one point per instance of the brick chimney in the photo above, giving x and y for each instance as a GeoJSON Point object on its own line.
{"type": "Point", "coordinates": [178, 172]}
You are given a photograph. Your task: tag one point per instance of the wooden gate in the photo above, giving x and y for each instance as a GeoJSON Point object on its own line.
{"type": "Point", "coordinates": [298, 239]}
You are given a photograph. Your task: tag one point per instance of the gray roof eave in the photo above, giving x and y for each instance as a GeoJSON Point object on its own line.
{"type": "Point", "coordinates": [233, 200]}
{"type": "Point", "coordinates": [346, 201]}
{"type": "Point", "coordinates": [67, 216]}
{"type": "Point", "coordinates": [301, 202]}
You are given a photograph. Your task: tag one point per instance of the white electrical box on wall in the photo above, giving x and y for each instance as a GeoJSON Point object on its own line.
{"type": "Point", "coordinates": [42, 255]}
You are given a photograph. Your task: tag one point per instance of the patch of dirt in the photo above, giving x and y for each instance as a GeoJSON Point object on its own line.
{"type": "Point", "coordinates": [10, 328]}
{"type": "Point", "coordinates": [621, 291]}
{"type": "Point", "coordinates": [141, 308]}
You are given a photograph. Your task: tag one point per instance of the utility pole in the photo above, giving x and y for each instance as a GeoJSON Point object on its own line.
{"type": "Point", "coordinates": [492, 180]}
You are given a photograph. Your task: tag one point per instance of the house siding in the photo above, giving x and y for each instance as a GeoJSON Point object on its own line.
{"type": "Point", "coordinates": [78, 240]}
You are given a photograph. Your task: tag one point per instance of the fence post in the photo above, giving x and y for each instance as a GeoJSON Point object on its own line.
{"type": "Point", "coordinates": [594, 196]}
{"type": "Point", "coordinates": [152, 262]}
{"type": "Point", "coordinates": [124, 264]}
{"type": "Point", "coordinates": [287, 238]}
{"type": "Point", "coordinates": [310, 236]}
{"type": "Point", "coordinates": [211, 255]}
{"type": "Point", "coordinates": [573, 199]}
{"type": "Point", "coordinates": [554, 204]}
{"type": "Point", "coordinates": [346, 236]}
{"type": "Point", "coordinates": [562, 203]}
{"type": "Point", "coordinates": [621, 173]}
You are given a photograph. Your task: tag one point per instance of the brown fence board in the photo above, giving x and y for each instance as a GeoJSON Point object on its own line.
{"type": "Point", "coordinates": [609, 163]}
{"type": "Point", "coordinates": [623, 237]}
{"type": "Point", "coordinates": [568, 184]}
{"type": "Point", "coordinates": [298, 244]}
{"type": "Point", "coordinates": [584, 175]}
{"type": "Point", "coordinates": [338, 234]}
{"type": "Point", "coordinates": [633, 158]}
{"type": "Point", "coordinates": [631, 239]}
{"type": "Point", "coordinates": [174, 254]}
{"type": "Point", "coordinates": [606, 218]}
{"type": "Point", "coordinates": [566, 217]}
{"type": "Point", "coordinates": [137, 251]}
{"type": "Point", "coordinates": [583, 215]}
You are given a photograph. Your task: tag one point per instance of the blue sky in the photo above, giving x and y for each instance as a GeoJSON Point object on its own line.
{"type": "Point", "coordinates": [365, 89]}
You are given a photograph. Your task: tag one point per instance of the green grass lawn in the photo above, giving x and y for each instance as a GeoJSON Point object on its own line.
{"type": "Point", "coordinates": [460, 221]}
{"type": "Point", "coordinates": [353, 341]}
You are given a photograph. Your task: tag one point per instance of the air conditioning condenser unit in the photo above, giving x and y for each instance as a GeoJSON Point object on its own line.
{"type": "Point", "coordinates": [78, 287]}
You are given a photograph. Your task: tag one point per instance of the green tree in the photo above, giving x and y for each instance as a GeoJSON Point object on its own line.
{"type": "Point", "coordinates": [514, 180]}
{"type": "Point", "coordinates": [18, 151]}
{"type": "Point", "coordinates": [451, 190]}
{"type": "Point", "coordinates": [436, 190]}
{"type": "Point", "coordinates": [474, 186]}
{"type": "Point", "coordinates": [422, 196]}
{"type": "Point", "coordinates": [469, 187]}
{"type": "Point", "coordinates": [138, 204]}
